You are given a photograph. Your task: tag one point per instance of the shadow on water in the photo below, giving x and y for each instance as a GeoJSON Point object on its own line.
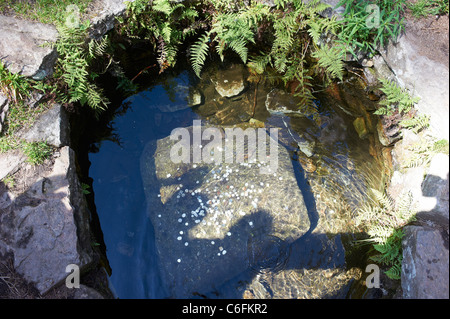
{"type": "Point", "coordinates": [121, 204]}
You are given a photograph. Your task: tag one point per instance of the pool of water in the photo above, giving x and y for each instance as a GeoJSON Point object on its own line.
{"type": "Point", "coordinates": [327, 174]}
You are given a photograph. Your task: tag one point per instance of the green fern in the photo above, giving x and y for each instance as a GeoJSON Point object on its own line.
{"type": "Point", "coordinates": [383, 220]}
{"type": "Point", "coordinates": [98, 47]}
{"type": "Point", "coordinates": [416, 123]}
{"type": "Point", "coordinates": [396, 99]}
{"type": "Point", "coordinates": [331, 59]}
{"type": "Point", "coordinates": [199, 52]}
{"type": "Point", "coordinates": [424, 150]}
{"type": "Point", "coordinates": [390, 254]}
{"type": "Point", "coordinates": [164, 23]}
{"type": "Point", "coordinates": [76, 55]}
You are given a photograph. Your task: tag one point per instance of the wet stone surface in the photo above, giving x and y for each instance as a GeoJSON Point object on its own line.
{"type": "Point", "coordinates": [215, 221]}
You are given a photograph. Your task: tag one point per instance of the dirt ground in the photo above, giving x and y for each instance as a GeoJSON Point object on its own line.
{"type": "Point", "coordinates": [431, 34]}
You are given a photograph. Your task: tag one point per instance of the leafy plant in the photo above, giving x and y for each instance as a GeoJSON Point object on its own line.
{"type": "Point", "coordinates": [391, 254]}
{"type": "Point", "coordinates": [331, 60]}
{"type": "Point", "coordinates": [396, 99]}
{"type": "Point", "coordinates": [13, 85]}
{"type": "Point", "coordinates": [425, 8]}
{"type": "Point", "coordinates": [76, 56]}
{"type": "Point", "coordinates": [36, 152]}
{"type": "Point", "coordinates": [85, 189]}
{"type": "Point", "coordinates": [232, 30]}
{"type": "Point", "coordinates": [424, 150]}
{"type": "Point", "coordinates": [356, 34]}
{"type": "Point", "coordinates": [383, 219]}
{"type": "Point", "coordinates": [45, 11]}
{"type": "Point", "coordinates": [165, 23]}
{"type": "Point", "coordinates": [416, 123]}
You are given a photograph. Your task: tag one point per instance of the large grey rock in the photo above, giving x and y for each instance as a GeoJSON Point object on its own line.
{"type": "Point", "coordinates": [425, 263]}
{"type": "Point", "coordinates": [52, 127]}
{"type": "Point", "coordinates": [9, 162]}
{"type": "Point", "coordinates": [23, 49]}
{"type": "Point", "coordinates": [45, 227]}
{"type": "Point", "coordinates": [4, 106]}
{"type": "Point", "coordinates": [423, 77]}
{"type": "Point", "coordinates": [103, 16]}
{"type": "Point", "coordinates": [215, 221]}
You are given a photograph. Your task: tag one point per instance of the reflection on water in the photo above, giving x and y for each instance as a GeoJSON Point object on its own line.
{"type": "Point", "coordinates": [328, 161]}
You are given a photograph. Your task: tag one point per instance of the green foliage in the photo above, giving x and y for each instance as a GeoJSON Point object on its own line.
{"type": "Point", "coordinates": [357, 30]}
{"type": "Point", "coordinates": [287, 28]}
{"type": "Point", "coordinates": [425, 8]}
{"type": "Point", "coordinates": [423, 151]}
{"type": "Point", "coordinates": [14, 86]}
{"type": "Point", "coordinates": [383, 220]}
{"type": "Point", "coordinates": [45, 11]}
{"type": "Point", "coordinates": [331, 60]}
{"type": "Point", "coordinates": [390, 254]}
{"type": "Point", "coordinates": [396, 99]}
{"type": "Point", "coordinates": [165, 23]}
{"type": "Point", "coordinates": [36, 152]}
{"type": "Point", "coordinates": [76, 57]}
{"type": "Point", "coordinates": [85, 189]}
{"type": "Point", "coordinates": [19, 117]}
{"type": "Point", "coordinates": [199, 52]}
{"type": "Point", "coordinates": [416, 123]}
{"type": "Point", "coordinates": [291, 31]}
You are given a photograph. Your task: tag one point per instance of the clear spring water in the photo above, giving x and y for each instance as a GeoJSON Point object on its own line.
{"type": "Point", "coordinates": [332, 182]}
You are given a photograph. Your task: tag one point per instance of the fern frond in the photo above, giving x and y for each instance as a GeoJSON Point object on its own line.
{"type": "Point", "coordinates": [416, 123]}
{"type": "Point", "coordinates": [240, 48]}
{"type": "Point", "coordinates": [395, 272]}
{"type": "Point", "coordinates": [259, 63]}
{"type": "Point", "coordinates": [331, 59]}
{"type": "Point", "coordinates": [199, 51]}
{"type": "Point", "coordinates": [383, 199]}
{"type": "Point", "coordinates": [98, 47]}
{"type": "Point", "coordinates": [396, 97]}
{"type": "Point", "coordinates": [162, 6]}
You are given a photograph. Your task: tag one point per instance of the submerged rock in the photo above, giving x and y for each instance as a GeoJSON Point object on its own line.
{"type": "Point", "coordinates": [230, 82]}
{"type": "Point", "coordinates": [212, 219]}
{"type": "Point", "coordinates": [280, 102]}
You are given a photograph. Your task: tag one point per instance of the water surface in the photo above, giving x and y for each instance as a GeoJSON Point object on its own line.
{"type": "Point", "coordinates": [331, 182]}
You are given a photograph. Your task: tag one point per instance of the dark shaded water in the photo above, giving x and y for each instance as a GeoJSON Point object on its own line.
{"type": "Point", "coordinates": [122, 209]}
